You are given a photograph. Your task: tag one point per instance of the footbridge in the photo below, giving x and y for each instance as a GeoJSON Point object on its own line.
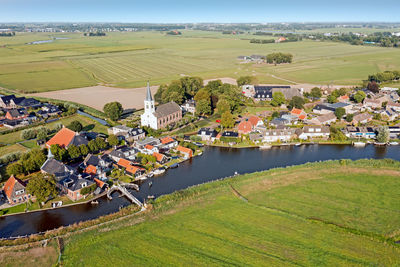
{"type": "Point", "coordinates": [125, 193]}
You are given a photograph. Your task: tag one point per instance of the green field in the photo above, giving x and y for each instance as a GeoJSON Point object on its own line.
{"type": "Point", "coordinates": [323, 214]}
{"type": "Point", "coordinates": [129, 59]}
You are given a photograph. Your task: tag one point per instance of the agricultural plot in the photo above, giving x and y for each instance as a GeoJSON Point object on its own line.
{"type": "Point", "coordinates": [130, 59]}
{"type": "Point", "coordinates": [308, 215]}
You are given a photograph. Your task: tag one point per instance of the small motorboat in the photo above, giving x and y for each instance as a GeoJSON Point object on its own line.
{"type": "Point", "coordinates": [380, 144]}
{"type": "Point", "coordinates": [151, 197]}
{"type": "Point", "coordinates": [150, 184]}
{"type": "Point", "coordinates": [94, 202]}
{"type": "Point", "coordinates": [265, 147]}
{"type": "Point", "coordinates": [297, 144]}
{"type": "Point", "coordinates": [149, 175]}
{"type": "Point", "coordinates": [159, 171]}
{"type": "Point", "coordinates": [175, 165]}
{"type": "Point", "coordinates": [359, 144]}
{"type": "Point", "coordinates": [394, 143]}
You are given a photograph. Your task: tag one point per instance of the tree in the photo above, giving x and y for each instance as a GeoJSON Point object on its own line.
{"type": "Point", "coordinates": [84, 150]}
{"type": "Point", "coordinates": [278, 58]}
{"type": "Point", "coordinates": [373, 87]}
{"type": "Point", "coordinates": [359, 96]}
{"type": "Point", "coordinates": [88, 189]}
{"type": "Point", "coordinates": [340, 112]}
{"type": "Point", "coordinates": [203, 107]}
{"type": "Point", "coordinates": [244, 80]}
{"type": "Point", "coordinates": [74, 151]}
{"type": "Point", "coordinates": [316, 92]}
{"type": "Point", "coordinates": [336, 134]}
{"type": "Point", "coordinates": [278, 98]}
{"type": "Point", "coordinates": [223, 106]}
{"type": "Point", "coordinates": [100, 143]}
{"type": "Point", "coordinates": [191, 85]}
{"type": "Point", "coordinates": [349, 117]}
{"type": "Point", "coordinates": [113, 140]}
{"type": "Point", "coordinates": [383, 134]}
{"type": "Point", "coordinates": [59, 153]}
{"type": "Point", "coordinates": [296, 102]}
{"type": "Point", "coordinates": [202, 94]}
{"type": "Point", "coordinates": [331, 99]}
{"type": "Point", "coordinates": [42, 186]}
{"type": "Point", "coordinates": [28, 134]}
{"type": "Point", "coordinates": [275, 114]}
{"type": "Point", "coordinates": [41, 133]}
{"type": "Point", "coordinates": [227, 120]}
{"type": "Point", "coordinates": [113, 110]}
{"type": "Point", "coordinates": [158, 95]}
{"type": "Point", "coordinates": [175, 97]}
{"type": "Point", "coordinates": [75, 126]}
{"type": "Point", "coordinates": [15, 168]}
{"type": "Point", "coordinates": [93, 146]}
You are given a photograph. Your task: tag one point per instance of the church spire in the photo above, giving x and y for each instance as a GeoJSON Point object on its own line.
{"type": "Point", "coordinates": [148, 96]}
{"type": "Point", "coordinates": [49, 154]}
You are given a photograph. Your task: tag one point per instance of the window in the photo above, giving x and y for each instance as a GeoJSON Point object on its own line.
{"type": "Point", "coordinates": [19, 192]}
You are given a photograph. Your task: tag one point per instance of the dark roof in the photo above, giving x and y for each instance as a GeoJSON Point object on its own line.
{"type": "Point", "coordinates": [74, 182]}
{"type": "Point", "coordinates": [6, 99]}
{"type": "Point", "coordinates": [29, 102]}
{"type": "Point", "coordinates": [207, 131]}
{"type": "Point", "coordinates": [78, 140]}
{"type": "Point", "coordinates": [17, 112]}
{"type": "Point", "coordinates": [230, 134]}
{"type": "Point", "coordinates": [56, 168]}
{"type": "Point", "coordinates": [167, 109]}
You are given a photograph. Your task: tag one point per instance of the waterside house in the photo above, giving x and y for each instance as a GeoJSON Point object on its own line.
{"type": "Point", "coordinates": [15, 191]}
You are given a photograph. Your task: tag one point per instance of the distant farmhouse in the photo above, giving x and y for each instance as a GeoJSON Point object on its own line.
{"type": "Point", "coordinates": [162, 116]}
{"type": "Point", "coordinates": [263, 93]}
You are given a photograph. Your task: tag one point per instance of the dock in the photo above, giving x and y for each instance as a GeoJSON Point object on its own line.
{"type": "Point", "coordinates": [125, 193]}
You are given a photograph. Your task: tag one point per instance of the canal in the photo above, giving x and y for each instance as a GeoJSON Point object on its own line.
{"type": "Point", "coordinates": [215, 163]}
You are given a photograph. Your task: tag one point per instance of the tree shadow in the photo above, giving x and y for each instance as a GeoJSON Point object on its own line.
{"type": "Point", "coordinates": [88, 128]}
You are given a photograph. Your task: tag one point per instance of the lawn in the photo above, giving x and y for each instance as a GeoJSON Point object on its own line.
{"type": "Point", "coordinates": [130, 59]}
{"type": "Point", "coordinates": [322, 214]}
{"type": "Point", "coordinates": [12, 149]}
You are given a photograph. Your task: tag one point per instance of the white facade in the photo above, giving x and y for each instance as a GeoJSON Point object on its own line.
{"type": "Point", "coordinates": [148, 118]}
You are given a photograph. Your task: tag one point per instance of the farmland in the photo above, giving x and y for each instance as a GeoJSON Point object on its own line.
{"type": "Point", "coordinates": [130, 59]}
{"type": "Point", "coordinates": [331, 213]}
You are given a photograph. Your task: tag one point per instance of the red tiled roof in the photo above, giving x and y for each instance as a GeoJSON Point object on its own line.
{"type": "Point", "coordinates": [63, 138]}
{"type": "Point", "coordinates": [344, 97]}
{"type": "Point", "coordinates": [302, 117]}
{"type": "Point", "coordinates": [9, 185]}
{"type": "Point", "coordinates": [254, 120]}
{"type": "Point", "coordinates": [128, 167]}
{"type": "Point", "coordinates": [296, 111]}
{"type": "Point", "coordinates": [245, 127]}
{"type": "Point", "coordinates": [159, 156]}
{"type": "Point", "coordinates": [185, 150]}
{"type": "Point", "coordinates": [90, 169]}
{"type": "Point", "coordinates": [150, 147]}
{"type": "Point", "coordinates": [99, 183]}
{"type": "Point", "coordinates": [167, 140]}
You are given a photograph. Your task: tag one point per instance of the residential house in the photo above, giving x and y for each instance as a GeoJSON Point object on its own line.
{"type": "Point", "coordinates": [187, 152]}
{"type": "Point", "coordinates": [360, 132]}
{"type": "Point", "coordinates": [394, 132]}
{"type": "Point", "coordinates": [149, 149]}
{"type": "Point", "coordinates": [16, 114]}
{"type": "Point", "coordinates": [279, 122]}
{"type": "Point", "coordinates": [65, 138]}
{"type": "Point", "coordinates": [344, 98]}
{"type": "Point", "coordinates": [56, 168]}
{"type": "Point", "coordinates": [161, 158]}
{"type": "Point", "coordinates": [97, 165]}
{"type": "Point", "coordinates": [140, 144]}
{"type": "Point", "coordinates": [245, 127]}
{"type": "Point", "coordinates": [124, 152]}
{"type": "Point", "coordinates": [327, 107]}
{"type": "Point", "coordinates": [362, 118]}
{"type": "Point", "coordinates": [15, 191]}
{"type": "Point", "coordinates": [72, 186]}
{"type": "Point", "coordinates": [389, 113]}
{"type": "Point", "coordinates": [130, 168]}
{"type": "Point", "coordinates": [48, 110]}
{"type": "Point", "coordinates": [207, 134]}
{"type": "Point", "coordinates": [299, 113]}
{"type": "Point", "coordinates": [228, 134]}
{"type": "Point", "coordinates": [255, 121]}
{"type": "Point", "coordinates": [279, 135]}
{"type": "Point", "coordinates": [288, 91]}
{"type": "Point", "coordinates": [314, 131]}
{"type": "Point", "coordinates": [11, 101]}
{"type": "Point", "coordinates": [393, 105]}
{"type": "Point", "coordinates": [325, 119]}
{"type": "Point", "coordinates": [374, 103]}
{"type": "Point", "coordinates": [127, 133]}
{"type": "Point", "coordinates": [168, 142]}
{"type": "Point", "coordinates": [189, 106]}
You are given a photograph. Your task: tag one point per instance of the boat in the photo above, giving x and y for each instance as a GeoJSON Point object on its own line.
{"type": "Point", "coordinates": [175, 165]}
{"type": "Point", "coordinates": [200, 153]}
{"type": "Point", "coordinates": [236, 173]}
{"type": "Point", "coordinates": [94, 202]}
{"type": "Point", "coordinates": [394, 143]}
{"type": "Point", "coordinates": [151, 197]}
{"type": "Point", "coordinates": [159, 171]}
{"type": "Point", "coordinates": [359, 144]}
{"type": "Point", "coordinates": [265, 147]}
{"type": "Point", "coordinates": [149, 175]}
{"type": "Point", "coordinates": [380, 144]}
{"type": "Point", "coordinates": [297, 144]}
{"type": "Point", "coordinates": [150, 184]}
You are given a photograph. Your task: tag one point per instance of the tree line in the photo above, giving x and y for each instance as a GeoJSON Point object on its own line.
{"type": "Point", "coordinates": [279, 58]}
{"type": "Point", "coordinates": [7, 34]}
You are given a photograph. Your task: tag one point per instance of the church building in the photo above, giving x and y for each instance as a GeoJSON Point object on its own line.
{"type": "Point", "coordinates": [162, 116]}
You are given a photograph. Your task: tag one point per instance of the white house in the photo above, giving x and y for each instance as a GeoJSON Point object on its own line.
{"type": "Point", "coordinates": [313, 131]}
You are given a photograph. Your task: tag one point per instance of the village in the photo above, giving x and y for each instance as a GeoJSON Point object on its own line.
{"type": "Point", "coordinates": [84, 165]}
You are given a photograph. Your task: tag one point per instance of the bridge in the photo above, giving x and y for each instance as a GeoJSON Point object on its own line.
{"type": "Point", "coordinates": [125, 193]}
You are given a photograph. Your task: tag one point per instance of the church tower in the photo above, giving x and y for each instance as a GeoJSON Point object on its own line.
{"type": "Point", "coordinates": [148, 118]}
{"type": "Point", "coordinates": [149, 102]}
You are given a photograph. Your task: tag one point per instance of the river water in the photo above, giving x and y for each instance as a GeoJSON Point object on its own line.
{"type": "Point", "coordinates": [215, 163]}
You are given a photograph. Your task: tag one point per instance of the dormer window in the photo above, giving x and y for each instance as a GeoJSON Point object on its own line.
{"type": "Point", "coordinates": [19, 192]}
{"type": "Point", "coordinates": [84, 184]}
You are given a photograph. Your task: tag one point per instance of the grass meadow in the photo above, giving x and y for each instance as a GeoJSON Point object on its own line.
{"type": "Point", "coordinates": [322, 214]}
{"type": "Point", "coordinates": [130, 59]}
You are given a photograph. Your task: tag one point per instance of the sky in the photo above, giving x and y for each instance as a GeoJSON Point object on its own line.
{"type": "Point", "coordinates": [186, 11]}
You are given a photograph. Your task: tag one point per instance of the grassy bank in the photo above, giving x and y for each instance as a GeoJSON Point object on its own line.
{"type": "Point", "coordinates": [314, 214]}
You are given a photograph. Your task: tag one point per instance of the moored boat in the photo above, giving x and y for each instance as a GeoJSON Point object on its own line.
{"type": "Point", "coordinates": [359, 144]}
{"type": "Point", "coordinates": [394, 143]}
{"type": "Point", "coordinates": [265, 147]}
